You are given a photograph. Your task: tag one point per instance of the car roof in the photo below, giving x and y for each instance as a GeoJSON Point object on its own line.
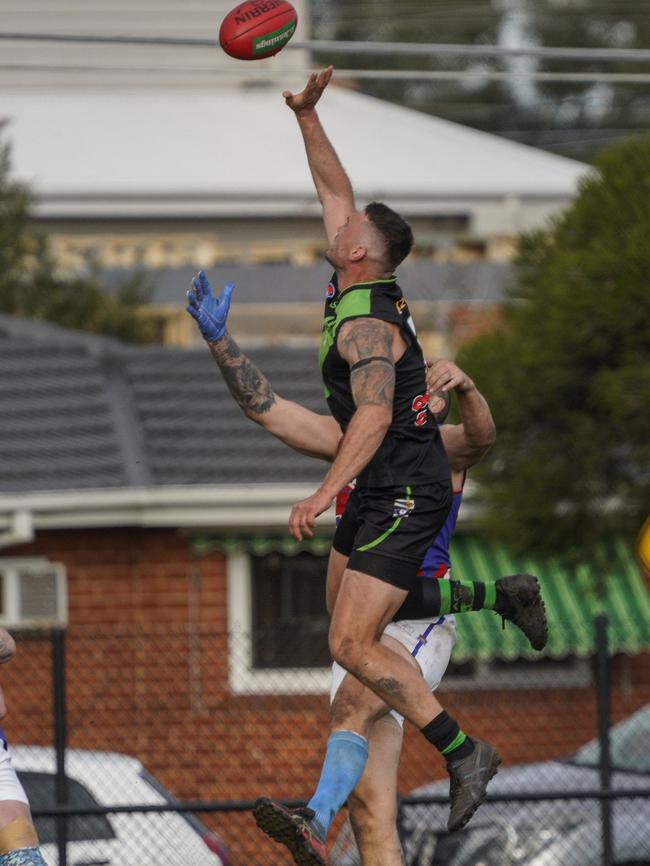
{"type": "Point", "coordinates": [43, 759]}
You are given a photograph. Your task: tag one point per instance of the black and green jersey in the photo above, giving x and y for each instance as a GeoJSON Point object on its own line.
{"type": "Point", "coordinates": [412, 451]}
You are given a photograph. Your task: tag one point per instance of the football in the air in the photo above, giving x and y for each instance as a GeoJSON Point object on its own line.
{"type": "Point", "coordinates": [257, 29]}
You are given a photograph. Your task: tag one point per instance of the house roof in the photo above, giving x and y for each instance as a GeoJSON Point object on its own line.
{"type": "Point", "coordinates": [228, 152]}
{"type": "Point", "coordinates": [83, 412]}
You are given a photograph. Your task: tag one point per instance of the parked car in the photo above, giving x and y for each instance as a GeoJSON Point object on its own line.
{"type": "Point", "coordinates": [537, 833]}
{"type": "Point", "coordinates": [118, 839]}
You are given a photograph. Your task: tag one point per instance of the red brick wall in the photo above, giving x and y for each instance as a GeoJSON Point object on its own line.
{"type": "Point", "coordinates": [147, 660]}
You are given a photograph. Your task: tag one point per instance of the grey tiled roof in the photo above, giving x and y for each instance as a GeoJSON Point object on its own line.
{"type": "Point", "coordinates": [196, 434]}
{"type": "Point", "coordinates": [78, 411]}
{"type": "Point", "coordinates": [282, 283]}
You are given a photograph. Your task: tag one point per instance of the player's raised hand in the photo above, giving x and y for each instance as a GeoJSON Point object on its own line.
{"type": "Point", "coordinates": [307, 99]}
{"type": "Point", "coordinates": [209, 312]}
{"type": "Point", "coordinates": [444, 375]}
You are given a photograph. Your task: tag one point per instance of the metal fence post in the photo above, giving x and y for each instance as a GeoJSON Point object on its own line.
{"type": "Point", "coordinates": [603, 687]}
{"type": "Point", "coordinates": [60, 739]}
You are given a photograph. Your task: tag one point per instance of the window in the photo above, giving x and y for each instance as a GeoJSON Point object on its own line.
{"type": "Point", "coordinates": [278, 623]}
{"type": "Point", "coordinates": [289, 617]}
{"type": "Point", "coordinates": [33, 592]}
{"type": "Point", "coordinates": [41, 793]}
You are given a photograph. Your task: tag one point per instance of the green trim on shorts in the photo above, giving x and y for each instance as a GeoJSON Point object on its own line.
{"type": "Point", "coordinates": [490, 595]}
{"type": "Point", "coordinates": [384, 535]}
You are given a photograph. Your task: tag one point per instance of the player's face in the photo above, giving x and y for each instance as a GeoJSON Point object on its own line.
{"type": "Point", "coordinates": [348, 237]}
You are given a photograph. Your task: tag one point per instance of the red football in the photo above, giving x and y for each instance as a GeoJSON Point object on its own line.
{"type": "Point", "coordinates": [257, 29]}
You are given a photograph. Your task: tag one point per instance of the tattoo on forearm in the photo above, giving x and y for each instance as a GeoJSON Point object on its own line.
{"type": "Point", "coordinates": [249, 386]}
{"type": "Point", "coordinates": [374, 383]}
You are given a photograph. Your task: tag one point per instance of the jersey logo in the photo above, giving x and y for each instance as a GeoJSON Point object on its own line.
{"type": "Point", "coordinates": [400, 305]}
{"type": "Point", "coordinates": [420, 407]}
{"type": "Point", "coordinates": [330, 291]}
{"type": "Point", "coordinates": [403, 507]}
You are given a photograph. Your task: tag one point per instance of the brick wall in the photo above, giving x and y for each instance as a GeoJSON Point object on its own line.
{"type": "Point", "coordinates": [147, 666]}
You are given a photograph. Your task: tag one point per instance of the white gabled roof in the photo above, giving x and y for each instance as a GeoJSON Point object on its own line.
{"type": "Point", "coordinates": [127, 130]}
{"type": "Point", "coordinates": [238, 151]}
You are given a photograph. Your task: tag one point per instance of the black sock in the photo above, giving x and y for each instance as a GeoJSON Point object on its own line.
{"type": "Point", "coordinates": [443, 733]}
{"type": "Point", "coordinates": [502, 605]}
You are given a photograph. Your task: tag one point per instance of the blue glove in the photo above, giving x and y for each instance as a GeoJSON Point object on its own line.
{"type": "Point", "coordinates": [210, 313]}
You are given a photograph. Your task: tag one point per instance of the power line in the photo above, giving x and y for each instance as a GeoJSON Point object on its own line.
{"type": "Point", "coordinates": [412, 49]}
{"type": "Point", "coordinates": [268, 75]}
{"type": "Point", "coordinates": [488, 75]}
{"type": "Point", "coordinates": [418, 49]}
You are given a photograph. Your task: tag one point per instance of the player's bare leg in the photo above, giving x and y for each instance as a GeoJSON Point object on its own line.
{"type": "Point", "coordinates": [373, 803]}
{"type": "Point", "coordinates": [18, 839]}
{"type": "Point", "coordinates": [363, 608]}
{"type": "Point", "coordinates": [337, 564]}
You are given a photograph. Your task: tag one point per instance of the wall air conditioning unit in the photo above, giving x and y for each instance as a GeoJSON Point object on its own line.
{"type": "Point", "coordinates": [33, 593]}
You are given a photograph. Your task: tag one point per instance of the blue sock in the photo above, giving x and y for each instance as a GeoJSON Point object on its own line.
{"type": "Point", "coordinates": [345, 761]}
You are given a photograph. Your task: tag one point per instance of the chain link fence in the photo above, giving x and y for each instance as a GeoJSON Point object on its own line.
{"type": "Point", "coordinates": [150, 746]}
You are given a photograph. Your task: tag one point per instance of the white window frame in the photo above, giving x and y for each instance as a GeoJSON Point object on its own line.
{"type": "Point", "coordinates": [243, 678]}
{"type": "Point", "coordinates": [11, 615]}
{"type": "Point", "coordinates": [576, 674]}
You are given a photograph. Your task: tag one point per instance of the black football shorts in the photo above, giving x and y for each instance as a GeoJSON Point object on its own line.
{"type": "Point", "coordinates": [385, 531]}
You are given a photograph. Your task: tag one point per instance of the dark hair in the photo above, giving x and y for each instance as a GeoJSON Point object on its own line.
{"type": "Point", "coordinates": [395, 230]}
{"type": "Point", "coordinates": [441, 416]}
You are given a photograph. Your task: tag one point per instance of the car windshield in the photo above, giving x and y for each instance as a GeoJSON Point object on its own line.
{"type": "Point", "coordinates": [629, 745]}
{"type": "Point", "coordinates": [41, 793]}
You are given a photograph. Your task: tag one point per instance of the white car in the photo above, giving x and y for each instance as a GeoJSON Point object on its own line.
{"type": "Point", "coordinates": [537, 833]}
{"type": "Point", "coordinates": [117, 839]}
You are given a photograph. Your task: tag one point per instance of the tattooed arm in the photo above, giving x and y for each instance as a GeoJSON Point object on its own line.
{"type": "Point", "coordinates": [367, 345]}
{"type": "Point", "coordinates": [305, 431]}
{"type": "Point", "coordinates": [298, 427]}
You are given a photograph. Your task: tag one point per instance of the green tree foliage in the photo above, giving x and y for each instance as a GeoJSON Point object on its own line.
{"type": "Point", "coordinates": [568, 373]}
{"type": "Point", "coordinates": [570, 118]}
{"type": "Point", "coordinates": [31, 285]}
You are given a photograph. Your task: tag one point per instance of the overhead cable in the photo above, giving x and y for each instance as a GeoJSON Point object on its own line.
{"type": "Point", "coordinates": [412, 49]}
{"type": "Point", "coordinates": [267, 76]}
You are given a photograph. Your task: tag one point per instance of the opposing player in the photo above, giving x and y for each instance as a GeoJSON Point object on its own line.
{"type": "Point", "coordinates": [319, 436]}
{"type": "Point", "coordinates": [18, 839]}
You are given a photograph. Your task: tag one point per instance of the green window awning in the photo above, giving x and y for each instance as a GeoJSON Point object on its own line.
{"type": "Point", "coordinates": [571, 598]}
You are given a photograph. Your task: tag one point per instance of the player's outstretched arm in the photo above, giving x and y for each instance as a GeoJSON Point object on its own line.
{"type": "Point", "coordinates": [298, 427]}
{"type": "Point", "coordinates": [467, 442]}
{"type": "Point", "coordinates": [366, 344]}
{"type": "Point", "coordinates": [330, 179]}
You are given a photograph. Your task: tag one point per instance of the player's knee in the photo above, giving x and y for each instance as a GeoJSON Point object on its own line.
{"type": "Point", "coordinates": [345, 650]}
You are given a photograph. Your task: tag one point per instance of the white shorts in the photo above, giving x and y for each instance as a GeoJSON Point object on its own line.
{"type": "Point", "coordinates": [10, 787]}
{"type": "Point", "coordinates": [430, 642]}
